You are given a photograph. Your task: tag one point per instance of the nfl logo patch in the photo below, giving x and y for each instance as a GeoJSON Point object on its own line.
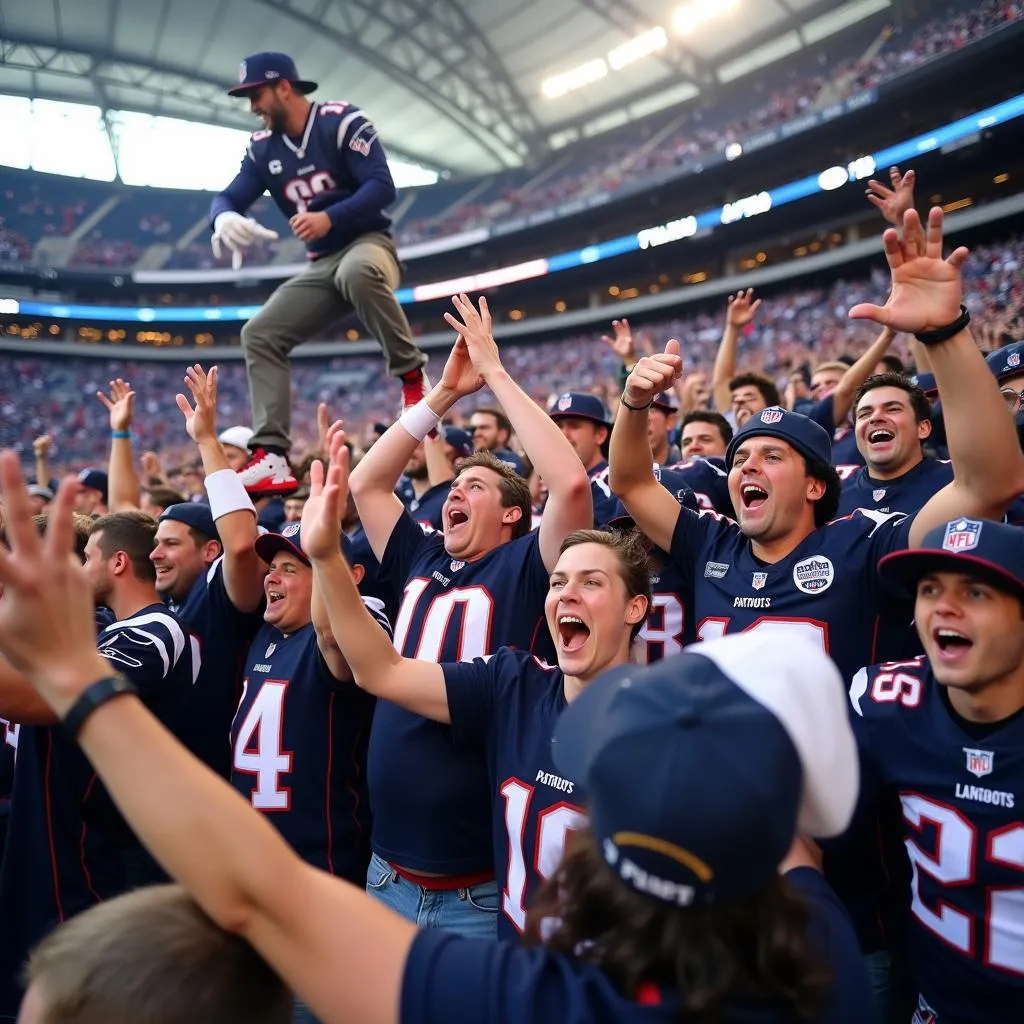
{"type": "Point", "coordinates": [270, 650]}
{"type": "Point", "coordinates": [962, 535]}
{"type": "Point", "coordinates": [878, 493]}
{"type": "Point", "coordinates": [759, 580]}
{"type": "Point", "coordinates": [456, 566]}
{"type": "Point", "coordinates": [242, 71]}
{"type": "Point", "coordinates": [771, 415]}
{"type": "Point", "coordinates": [291, 529]}
{"type": "Point", "coordinates": [564, 402]}
{"type": "Point", "coordinates": [979, 762]}
{"type": "Point", "coordinates": [1013, 359]}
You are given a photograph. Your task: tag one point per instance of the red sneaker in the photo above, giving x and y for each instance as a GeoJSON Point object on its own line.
{"type": "Point", "coordinates": [415, 386]}
{"type": "Point", "coordinates": [267, 474]}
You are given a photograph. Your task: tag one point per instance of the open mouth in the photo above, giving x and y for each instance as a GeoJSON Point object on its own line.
{"type": "Point", "coordinates": [881, 436]}
{"type": "Point", "coordinates": [950, 641]}
{"type": "Point", "coordinates": [572, 632]}
{"type": "Point", "coordinates": [753, 495]}
{"type": "Point", "coordinates": [273, 596]}
{"type": "Point", "coordinates": [456, 517]}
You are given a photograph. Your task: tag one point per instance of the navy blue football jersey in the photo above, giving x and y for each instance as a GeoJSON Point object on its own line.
{"type": "Point", "coordinates": [604, 499]}
{"type": "Point", "coordinates": [299, 749]}
{"type": "Point", "coordinates": [338, 167]}
{"type": "Point", "coordinates": [964, 836]}
{"type": "Point", "coordinates": [508, 704]}
{"type": "Point", "coordinates": [426, 509]}
{"type": "Point", "coordinates": [908, 493]}
{"type": "Point", "coordinates": [67, 845]}
{"type": "Point", "coordinates": [432, 806]}
{"type": "Point", "coordinates": [669, 626]}
{"type": "Point", "coordinates": [224, 634]}
{"type": "Point", "coordinates": [827, 588]}
{"type": "Point", "coordinates": [709, 480]}
{"type": "Point", "coordinates": [453, 980]}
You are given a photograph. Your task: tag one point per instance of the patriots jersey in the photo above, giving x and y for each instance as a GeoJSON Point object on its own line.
{"type": "Point", "coordinates": [958, 787]}
{"type": "Point", "coordinates": [68, 847]}
{"type": "Point", "coordinates": [432, 806]}
{"type": "Point", "coordinates": [449, 979]}
{"type": "Point", "coordinates": [827, 588]}
{"type": "Point", "coordinates": [337, 167]}
{"type": "Point", "coordinates": [224, 634]}
{"type": "Point", "coordinates": [709, 480]}
{"type": "Point", "coordinates": [669, 626]}
{"type": "Point", "coordinates": [604, 499]}
{"type": "Point", "coordinates": [908, 493]}
{"type": "Point", "coordinates": [426, 510]}
{"type": "Point", "coordinates": [508, 705]}
{"type": "Point", "coordinates": [299, 749]}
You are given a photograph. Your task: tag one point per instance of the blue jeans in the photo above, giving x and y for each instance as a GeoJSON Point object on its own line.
{"type": "Point", "coordinates": [472, 912]}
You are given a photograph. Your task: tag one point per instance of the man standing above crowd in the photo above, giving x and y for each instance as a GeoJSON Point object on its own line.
{"type": "Point", "coordinates": [328, 174]}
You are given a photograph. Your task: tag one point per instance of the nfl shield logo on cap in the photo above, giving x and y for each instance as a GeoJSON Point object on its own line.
{"type": "Point", "coordinates": [962, 535]}
{"type": "Point", "coordinates": [291, 529]}
{"type": "Point", "coordinates": [242, 70]}
{"type": "Point", "coordinates": [564, 402]}
{"type": "Point", "coordinates": [773, 414]}
{"type": "Point", "coordinates": [1013, 359]}
{"type": "Point", "coordinates": [979, 762]}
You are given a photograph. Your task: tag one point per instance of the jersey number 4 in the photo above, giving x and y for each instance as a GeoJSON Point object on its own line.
{"type": "Point", "coordinates": [954, 864]}
{"type": "Point", "coordinates": [258, 747]}
{"type": "Point", "coordinates": [552, 825]}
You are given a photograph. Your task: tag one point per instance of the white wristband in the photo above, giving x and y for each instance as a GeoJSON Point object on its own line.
{"type": "Point", "coordinates": [227, 494]}
{"type": "Point", "coordinates": [420, 420]}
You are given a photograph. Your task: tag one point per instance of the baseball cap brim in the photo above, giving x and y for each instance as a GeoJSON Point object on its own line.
{"type": "Point", "coordinates": [300, 86]}
{"type": "Point", "coordinates": [556, 415]}
{"type": "Point", "coordinates": [271, 544]}
{"type": "Point", "coordinates": [907, 568]}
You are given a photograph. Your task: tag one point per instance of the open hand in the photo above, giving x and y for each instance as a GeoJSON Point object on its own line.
{"type": "Point", "coordinates": [741, 307]}
{"type": "Point", "coordinates": [621, 342]}
{"type": "Point", "coordinates": [926, 289]}
{"type": "Point", "coordinates": [893, 202]}
{"type": "Point", "coordinates": [653, 374]}
{"type": "Point", "coordinates": [119, 404]}
{"type": "Point", "coordinates": [475, 328]}
{"type": "Point", "coordinates": [201, 421]}
{"type": "Point", "coordinates": [460, 376]}
{"type": "Point", "coordinates": [328, 498]}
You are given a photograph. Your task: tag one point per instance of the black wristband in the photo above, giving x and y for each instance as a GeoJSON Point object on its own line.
{"type": "Point", "coordinates": [945, 333]}
{"type": "Point", "coordinates": [90, 699]}
{"type": "Point", "coordinates": [636, 408]}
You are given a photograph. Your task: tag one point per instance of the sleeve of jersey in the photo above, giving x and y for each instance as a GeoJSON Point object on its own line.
{"type": "Point", "coordinates": [146, 649]}
{"type": "Point", "coordinates": [888, 532]}
{"type": "Point", "coordinates": [850, 1000]}
{"type": "Point", "coordinates": [691, 532]}
{"type": "Point", "coordinates": [407, 541]}
{"type": "Point", "coordinates": [449, 979]}
{"type": "Point", "coordinates": [245, 188]}
{"type": "Point", "coordinates": [823, 413]}
{"type": "Point", "coordinates": [474, 693]}
{"type": "Point", "coordinates": [364, 159]}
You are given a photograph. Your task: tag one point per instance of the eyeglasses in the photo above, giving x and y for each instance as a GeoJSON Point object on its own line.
{"type": "Point", "coordinates": [1014, 399]}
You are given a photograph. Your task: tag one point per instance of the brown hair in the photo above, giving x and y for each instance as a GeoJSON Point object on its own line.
{"type": "Point", "coordinates": [769, 392]}
{"type": "Point", "coordinates": [709, 958]}
{"type": "Point", "coordinates": [163, 496]}
{"type": "Point", "coordinates": [152, 957]}
{"type": "Point", "coordinates": [919, 403]}
{"type": "Point", "coordinates": [514, 489]}
{"type": "Point", "coordinates": [501, 420]}
{"type": "Point", "coordinates": [81, 524]}
{"type": "Point", "coordinates": [132, 532]}
{"type": "Point", "coordinates": [630, 547]}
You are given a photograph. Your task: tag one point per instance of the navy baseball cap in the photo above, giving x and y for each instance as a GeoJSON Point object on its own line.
{"type": "Point", "coordinates": [926, 382]}
{"type": "Point", "coordinates": [702, 768]}
{"type": "Point", "coordinates": [290, 540]}
{"type": "Point", "coordinates": [461, 440]}
{"type": "Point", "coordinates": [94, 480]}
{"type": "Point", "coordinates": [265, 69]}
{"type": "Point", "coordinates": [990, 551]}
{"type": "Point", "coordinates": [1007, 361]}
{"type": "Point", "coordinates": [510, 458]}
{"type": "Point", "coordinates": [674, 482]}
{"type": "Point", "coordinates": [806, 436]}
{"type": "Point", "coordinates": [580, 405]}
{"type": "Point", "coordinates": [194, 514]}
{"type": "Point", "coordinates": [664, 401]}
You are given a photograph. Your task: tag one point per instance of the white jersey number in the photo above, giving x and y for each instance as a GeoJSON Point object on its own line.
{"type": "Point", "coordinates": [477, 611]}
{"type": "Point", "coordinates": [258, 747]}
{"type": "Point", "coordinates": [552, 825]}
{"type": "Point", "coordinates": [783, 629]}
{"type": "Point", "coordinates": [954, 865]}
{"type": "Point", "coordinates": [662, 629]}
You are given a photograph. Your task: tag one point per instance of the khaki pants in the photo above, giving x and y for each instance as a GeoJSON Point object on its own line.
{"type": "Point", "coordinates": [360, 279]}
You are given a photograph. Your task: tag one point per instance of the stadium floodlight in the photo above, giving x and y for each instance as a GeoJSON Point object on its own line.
{"type": "Point", "coordinates": [695, 13]}
{"type": "Point", "coordinates": [641, 46]}
{"type": "Point", "coordinates": [576, 78]}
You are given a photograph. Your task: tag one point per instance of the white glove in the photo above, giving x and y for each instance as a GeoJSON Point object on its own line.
{"type": "Point", "coordinates": [237, 233]}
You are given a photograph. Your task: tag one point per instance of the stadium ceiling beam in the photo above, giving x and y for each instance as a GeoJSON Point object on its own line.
{"type": "Point", "coordinates": [794, 21]}
{"type": "Point", "coordinates": [631, 19]}
{"type": "Point", "coordinates": [437, 52]}
{"type": "Point", "coordinates": [106, 71]}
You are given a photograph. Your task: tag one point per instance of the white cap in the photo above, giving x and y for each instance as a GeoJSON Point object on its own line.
{"type": "Point", "coordinates": [237, 437]}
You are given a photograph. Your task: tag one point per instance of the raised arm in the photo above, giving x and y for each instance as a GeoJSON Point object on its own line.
{"type": "Point", "coordinates": [378, 472]}
{"type": "Point", "coordinates": [322, 935]}
{"type": "Point", "coordinates": [631, 465]}
{"type": "Point", "coordinates": [373, 662]}
{"type": "Point", "coordinates": [232, 508]}
{"type": "Point", "coordinates": [122, 480]}
{"type": "Point", "coordinates": [739, 311]}
{"type": "Point", "coordinates": [41, 450]}
{"type": "Point", "coordinates": [570, 505]}
{"type": "Point", "coordinates": [926, 297]}
{"type": "Point", "coordinates": [846, 389]}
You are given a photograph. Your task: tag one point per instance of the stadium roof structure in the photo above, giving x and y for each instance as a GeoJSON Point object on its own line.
{"type": "Point", "coordinates": [452, 84]}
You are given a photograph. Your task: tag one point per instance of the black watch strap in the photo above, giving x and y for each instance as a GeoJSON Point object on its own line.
{"type": "Point", "coordinates": [635, 408]}
{"type": "Point", "coordinates": [90, 699]}
{"type": "Point", "coordinates": [947, 332]}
